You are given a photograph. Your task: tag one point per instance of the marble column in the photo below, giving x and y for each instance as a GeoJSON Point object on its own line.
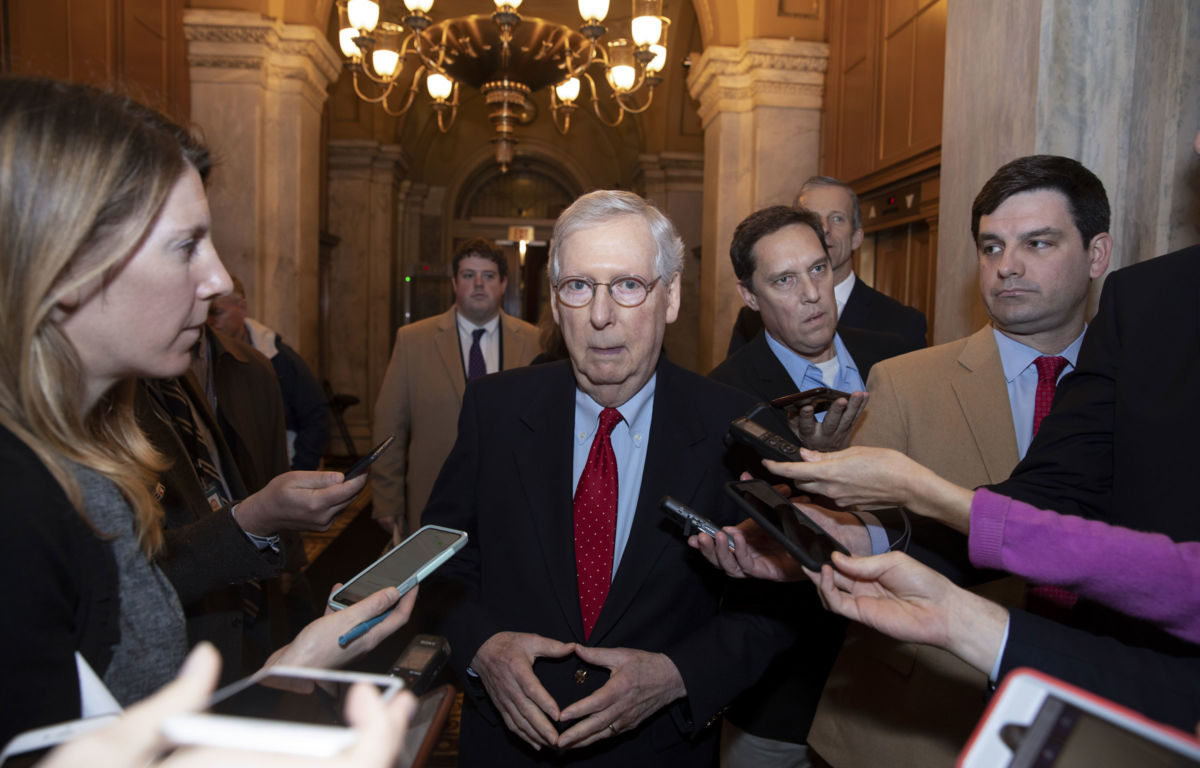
{"type": "Point", "coordinates": [365, 200]}
{"type": "Point", "coordinates": [258, 87]}
{"type": "Point", "coordinates": [760, 105]}
{"type": "Point", "coordinates": [1114, 84]}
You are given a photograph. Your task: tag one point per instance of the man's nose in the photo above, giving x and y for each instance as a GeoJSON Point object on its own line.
{"type": "Point", "coordinates": [601, 309]}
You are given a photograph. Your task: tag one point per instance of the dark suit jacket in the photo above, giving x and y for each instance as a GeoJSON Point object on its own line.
{"type": "Point", "coordinates": [1120, 443]}
{"type": "Point", "coordinates": [205, 552]}
{"type": "Point", "coordinates": [1159, 685]}
{"type": "Point", "coordinates": [507, 482]}
{"type": "Point", "coordinates": [781, 706]}
{"type": "Point", "coordinates": [874, 311]}
{"type": "Point", "coordinates": [866, 308]}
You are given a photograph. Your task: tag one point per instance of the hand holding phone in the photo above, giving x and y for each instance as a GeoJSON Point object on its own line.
{"type": "Point", "coordinates": [403, 566]}
{"type": "Point", "coordinates": [691, 520]}
{"type": "Point", "coordinates": [803, 539]}
{"type": "Point", "coordinates": [361, 465]}
{"type": "Point", "coordinates": [819, 398]}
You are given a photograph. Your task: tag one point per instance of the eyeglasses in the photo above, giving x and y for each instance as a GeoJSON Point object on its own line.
{"type": "Point", "coordinates": [628, 291]}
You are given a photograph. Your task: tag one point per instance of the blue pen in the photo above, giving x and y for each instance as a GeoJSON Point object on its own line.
{"type": "Point", "coordinates": [362, 628]}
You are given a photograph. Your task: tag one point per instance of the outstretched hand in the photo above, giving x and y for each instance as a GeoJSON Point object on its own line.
{"type": "Point", "coordinates": [833, 433]}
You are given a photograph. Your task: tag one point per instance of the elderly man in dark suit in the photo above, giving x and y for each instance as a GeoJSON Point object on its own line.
{"type": "Point", "coordinates": [584, 629]}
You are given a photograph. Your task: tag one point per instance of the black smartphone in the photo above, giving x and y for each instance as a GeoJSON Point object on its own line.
{"type": "Point", "coordinates": [691, 520]}
{"type": "Point", "coordinates": [820, 399]}
{"type": "Point", "coordinates": [768, 444]}
{"type": "Point", "coordinates": [361, 465]}
{"type": "Point", "coordinates": [803, 539]}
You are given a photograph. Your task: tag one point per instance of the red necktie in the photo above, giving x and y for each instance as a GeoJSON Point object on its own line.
{"type": "Point", "coordinates": [596, 521]}
{"type": "Point", "coordinates": [1048, 369]}
{"type": "Point", "coordinates": [1044, 599]}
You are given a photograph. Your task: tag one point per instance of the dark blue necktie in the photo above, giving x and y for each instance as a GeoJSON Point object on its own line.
{"type": "Point", "coordinates": [475, 365]}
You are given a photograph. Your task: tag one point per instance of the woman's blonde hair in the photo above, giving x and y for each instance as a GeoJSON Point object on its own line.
{"type": "Point", "coordinates": [84, 175]}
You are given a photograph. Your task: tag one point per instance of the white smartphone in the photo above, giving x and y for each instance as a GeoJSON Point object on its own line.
{"type": "Point", "coordinates": [289, 710]}
{"type": "Point", "coordinates": [403, 566]}
{"type": "Point", "coordinates": [1038, 721]}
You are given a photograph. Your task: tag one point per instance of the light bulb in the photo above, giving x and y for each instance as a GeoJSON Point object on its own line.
{"type": "Point", "coordinates": [439, 86]}
{"type": "Point", "coordinates": [646, 30]}
{"type": "Point", "coordinates": [660, 58]}
{"type": "Point", "coordinates": [568, 90]}
{"type": "Point", "coordinates": [364, 14]}
{"type": "Point", "coordinates": [386, 61]}
{"type": "Point", "coordinates": [593, 10]}
{"type": "Point", "coordinates": [514, 4]}
{"type": "Point", "coordinates": [621, 77]}
{"type": "Point", "coordinates": [418, 5]}
{"type": "Point", "coordinates": [346, 37]}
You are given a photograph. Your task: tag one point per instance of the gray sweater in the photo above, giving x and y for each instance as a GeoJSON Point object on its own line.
{"type": "Point", "coordinates": [153, 634]}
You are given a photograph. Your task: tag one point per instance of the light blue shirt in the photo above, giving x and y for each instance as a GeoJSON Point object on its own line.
{"type": "Point", "coordinates": [806, 375]}
{"type": "Point", "coordinates": [629, 439]}
{"type": "Point", "coordinates": [1021, 375]}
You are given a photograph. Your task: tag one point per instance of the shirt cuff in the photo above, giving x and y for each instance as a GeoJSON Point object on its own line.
{"type": "Point", "coordinates": [994, 675]}
{"type": "Point", "coordinates": [262, 542]}
{"type": "Point", "coordinates": [875, 529]}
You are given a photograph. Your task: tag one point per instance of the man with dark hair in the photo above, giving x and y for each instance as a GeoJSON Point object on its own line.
{"type": "Point", "coordinates": [582, 627]}
{"type": "Point", "coordinates": [784, 272]}
{"type": "Point", "coordinates": [858, 304]}
{"type": "Point", "coordinates": [968, 410]}
{"type": "Point", "coordinates": [432, 361]}
{"type": "Point", "coordinates": [305, 410]}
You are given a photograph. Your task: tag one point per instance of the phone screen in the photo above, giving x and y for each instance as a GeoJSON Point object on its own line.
{"type": "Point", "coordinates": [287, 698]}
{"type": "Point", "coordinates": [399, 565]}
{"type": "Point", "coordinates": [1065, 736]}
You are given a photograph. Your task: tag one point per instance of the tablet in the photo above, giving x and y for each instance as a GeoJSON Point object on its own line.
{"type": "Point", "coordinates": [803, 539]}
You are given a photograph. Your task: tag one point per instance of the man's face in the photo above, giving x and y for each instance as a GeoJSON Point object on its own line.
{"type": "Point", "coordinates": [1034, 268]}
{"type": "Point", "coordinates": [227, 314]}
{"type": "Point", "coordinates": [478, 289]}
{"type": "Point", "coordinates": [792, 287]}
{"type": "Point", "coordinates": [614, 349]}
{"type": "Point", "coordinates": [834, 207]}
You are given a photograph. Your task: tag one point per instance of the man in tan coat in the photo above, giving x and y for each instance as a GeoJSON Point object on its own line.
{"type": "Point", "coordinates": [965, 409]}
{"type": "Point", "coordinates": [422, 391]}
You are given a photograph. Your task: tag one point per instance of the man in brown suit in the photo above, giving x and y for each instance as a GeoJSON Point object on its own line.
{"type": "Point", "coordinates": [422, 391]}
{"type": "Point", "coordinates": [965, 410]}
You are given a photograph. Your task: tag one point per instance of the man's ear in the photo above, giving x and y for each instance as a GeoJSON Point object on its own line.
{"type": "Point", "coordinates": [856, 239]}
{"type": "Point", "coordinates": [747, 296]}
{"type": "Point", "coordinates": [1099, 253]}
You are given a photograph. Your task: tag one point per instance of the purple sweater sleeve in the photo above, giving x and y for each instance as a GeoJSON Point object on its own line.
{"type": "Point", "coordinates": [1145, 575]}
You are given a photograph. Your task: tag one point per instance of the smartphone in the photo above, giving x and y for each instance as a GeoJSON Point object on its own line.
{"type": "Point", "coordinates": [691, 520]}
{"type": "Point", "coordinates": [361, 465]}
{"type": "Point", "coordinates": [820, 399]}
{"type": "Point", "coordinates": [1037, 721]}
{"type": "Point", "coordinates": [403, 566]}
{"type": "Point", "coordinates": [291, 710]}
{"type": "Point", "coordinates": [765, 442]}
{"type": "Point", "coordinates": [801, 537]}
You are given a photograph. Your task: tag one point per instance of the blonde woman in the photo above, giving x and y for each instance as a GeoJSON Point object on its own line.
{"type": "Point", "coordinates": [107, 268]}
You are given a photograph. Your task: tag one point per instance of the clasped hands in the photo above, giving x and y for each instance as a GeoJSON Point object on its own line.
{"type": "Point", "coordinates": [640, 684]}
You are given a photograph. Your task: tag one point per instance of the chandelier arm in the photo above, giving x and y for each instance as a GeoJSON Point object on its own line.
{"type": "Point", "coordinates": [445, 127]}
{"type": "Point", "coordinates": [431, 62]}
{"type": "Point", "coordinates": [596, 105]}
{"type": "Point", "coordinates": [637, 110]}
{"type": "Point", "coordinates": [408, 101]}
{"type": "Point", "coordinates": [557, 107]}
{"type": "Point", "coordinates": [371, 99]}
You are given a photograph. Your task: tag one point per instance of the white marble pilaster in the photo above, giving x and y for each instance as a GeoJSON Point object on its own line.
{"type": "Point", "coordinates": [364, 203]}
{"type": "Point", "coordinates": [760, 104]}
{"type": "Point", "coordinates": [258, 89]}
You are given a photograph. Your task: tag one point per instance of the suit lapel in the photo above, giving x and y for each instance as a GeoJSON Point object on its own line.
{"type": "Point", "coordinates": [543, 451]}
{"type": "Point", "coordinates": [670, 468]}
{"type": "Point", "coordinates": [982, 394]}
{"type": "Point", "coordinates": [446, 340]}
{"type": "Point", "coordinates": [512, 344]}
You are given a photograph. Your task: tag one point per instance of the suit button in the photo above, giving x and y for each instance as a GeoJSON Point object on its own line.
{"type": "Point", "coordinates": [581, 676]}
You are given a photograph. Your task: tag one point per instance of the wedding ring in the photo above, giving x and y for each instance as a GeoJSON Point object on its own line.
{"type": "Point", "coordinates": [612, 728]}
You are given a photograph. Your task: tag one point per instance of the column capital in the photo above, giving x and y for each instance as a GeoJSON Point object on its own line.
{"type": "Point", "coordinates": [240, 46]}
{"type": "Point", "coordinates": [678, 170]}
{"type": "Point", "coordinates": [759, 72]}
{"type": "Point", "coordinates": [353, 155]}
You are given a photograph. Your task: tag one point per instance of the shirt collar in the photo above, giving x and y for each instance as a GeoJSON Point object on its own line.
{"type": "Point", "coordinates": [636, 411]}
{"type": "Point", "coordinates": [841, 291]}
{"type": "Point", "coordinates": [1015, 357]}
{"type": "Point", "coordinates": [466, 326]}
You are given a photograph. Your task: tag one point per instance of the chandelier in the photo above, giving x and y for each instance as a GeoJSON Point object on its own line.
{"type": "Point", "coordinates": [506, 58]}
